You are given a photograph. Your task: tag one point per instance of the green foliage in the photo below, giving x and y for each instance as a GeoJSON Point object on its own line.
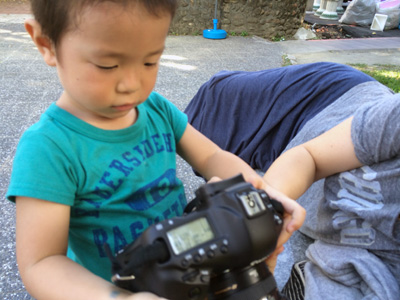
{"type": "Point", "coordinates": [286, 61]}
{"type": "Point", "coordinates": [388, 75]}
{"type": "Point", "coordinates": [278, 38]}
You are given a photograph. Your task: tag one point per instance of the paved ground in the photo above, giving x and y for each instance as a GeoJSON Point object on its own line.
{"type": "Point", "coordinates": [385, 50]}
{"type": "Point", "coordinates": [28, 86]}
{"type": "Point", "coordinates": [15, 7]}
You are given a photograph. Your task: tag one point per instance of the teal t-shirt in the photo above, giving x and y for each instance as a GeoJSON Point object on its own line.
{"type": "Point", "coordinates": [117, 182]}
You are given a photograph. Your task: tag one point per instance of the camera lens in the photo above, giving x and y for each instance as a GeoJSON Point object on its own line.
{"type": "Point", "coordinates": [252, 283]}
{"type": "Point", "coordinates": [194, 293]}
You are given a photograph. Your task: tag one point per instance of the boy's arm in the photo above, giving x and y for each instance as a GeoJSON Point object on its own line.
{"type": "Point", "coordinates": [295, 170]}
{"type": "Point", "coordinates": [210, 160]}
{"type": "Point", "coordinates": [42, 239]}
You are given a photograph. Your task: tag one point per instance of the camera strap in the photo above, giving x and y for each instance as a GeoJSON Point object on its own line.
{"type": "Point", "coordinates": [191, 206]}
{"type": "Point", "coordinates": [126, 262]}
{"type": "Point", "coordinates": [211, 189]}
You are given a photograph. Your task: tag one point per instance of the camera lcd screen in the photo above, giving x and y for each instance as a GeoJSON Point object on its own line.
{"type": "Point", "coordinates": [190, 235]}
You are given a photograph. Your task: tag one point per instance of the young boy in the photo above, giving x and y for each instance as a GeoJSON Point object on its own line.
{"type": "Point", "coordinates": [99, 167]}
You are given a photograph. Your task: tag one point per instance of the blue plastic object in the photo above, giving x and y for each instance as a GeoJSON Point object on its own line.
{"type": "Point", "coordinates": [215, 33]}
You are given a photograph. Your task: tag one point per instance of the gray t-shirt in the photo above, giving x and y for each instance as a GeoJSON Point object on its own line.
{"type": "Point", "coordinates": [358, 209]}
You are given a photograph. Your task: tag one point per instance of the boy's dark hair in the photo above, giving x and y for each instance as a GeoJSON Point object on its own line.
{"type": "Point", "coordinates": [57, 16]}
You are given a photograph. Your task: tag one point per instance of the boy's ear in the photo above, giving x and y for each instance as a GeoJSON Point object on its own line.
{"type": "Point", "coordinates": [42, 42]}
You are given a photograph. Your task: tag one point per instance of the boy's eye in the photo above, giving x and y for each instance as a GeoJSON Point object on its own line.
{"type": "Point", "coordinates": [150, 64]}
{"type": "Point", "coordinates": [107, 67]}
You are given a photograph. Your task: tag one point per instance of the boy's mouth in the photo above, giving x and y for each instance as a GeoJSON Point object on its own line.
{"type": "Point", "coordinates": [124, 107]}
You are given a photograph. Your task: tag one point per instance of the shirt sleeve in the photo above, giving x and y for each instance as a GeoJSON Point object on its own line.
{"type": "Point", "coordinates": [375, 130]}
{"type": "Point", "coordinates": [176, 118]}
{"type": "Point", "coordinates": [42, 170]}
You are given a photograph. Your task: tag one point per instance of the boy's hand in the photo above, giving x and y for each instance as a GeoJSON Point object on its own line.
{"type": "Point", "coordinates": [144, 296]}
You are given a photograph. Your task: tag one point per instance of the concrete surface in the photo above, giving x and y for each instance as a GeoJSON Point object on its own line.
{"type": "Point", "coordinates": [28, 86]}
{"type": "Point", "coordinates": [385, 50]}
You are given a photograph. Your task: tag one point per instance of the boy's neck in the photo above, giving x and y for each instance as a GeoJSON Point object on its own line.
{"type": "Point", "coordinates": [101, 122]}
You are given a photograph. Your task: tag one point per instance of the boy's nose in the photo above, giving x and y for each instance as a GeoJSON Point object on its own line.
{"type": "Point", "coordinates": [129, 82]}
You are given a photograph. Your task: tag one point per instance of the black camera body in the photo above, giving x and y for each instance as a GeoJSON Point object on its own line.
{"type": "Point", "coordinates": [232, 226]}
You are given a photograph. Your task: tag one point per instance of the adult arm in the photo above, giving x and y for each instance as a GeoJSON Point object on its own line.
{"type": "Point", "coordinates": [42, 240]}
{"type": "Point", "coordinates": [294, 171]}
{"type": "Point", "coordinates": [210, 160]}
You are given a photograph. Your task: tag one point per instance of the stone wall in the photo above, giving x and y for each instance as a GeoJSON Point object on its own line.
{"type": "Point", "coordinates": [264, 18]}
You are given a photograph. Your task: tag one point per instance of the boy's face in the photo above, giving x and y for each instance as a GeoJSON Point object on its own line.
{"type": "Point", "coordinates": [109, 64]}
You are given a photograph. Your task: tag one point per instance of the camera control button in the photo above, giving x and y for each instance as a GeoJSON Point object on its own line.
{"type": "Point", "coordinates": [184, 263]}
{"type": "Point", "coordinates": [224, 249]}
{"type": "Point", "coordinates": [197, 258]}
{"type": "Point", "coordinates": [190, 277]}
{"type": "Point", "coordinates": [205, 278]}
{"type": "Point", "coordinates": [278, 220]}
{"type": "Point", "coordinates": [210, 253]}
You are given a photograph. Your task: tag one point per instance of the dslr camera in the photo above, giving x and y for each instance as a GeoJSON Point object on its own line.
{"type": "Point", "coordinates": [216, 250]}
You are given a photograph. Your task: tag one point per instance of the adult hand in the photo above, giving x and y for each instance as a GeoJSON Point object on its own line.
{"type": "Point", "coordinates": [214, 179]}
{"type": "Point", "coordinates": [294, 215]}
{"type": "Point", "coordinates": [293, 219]}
